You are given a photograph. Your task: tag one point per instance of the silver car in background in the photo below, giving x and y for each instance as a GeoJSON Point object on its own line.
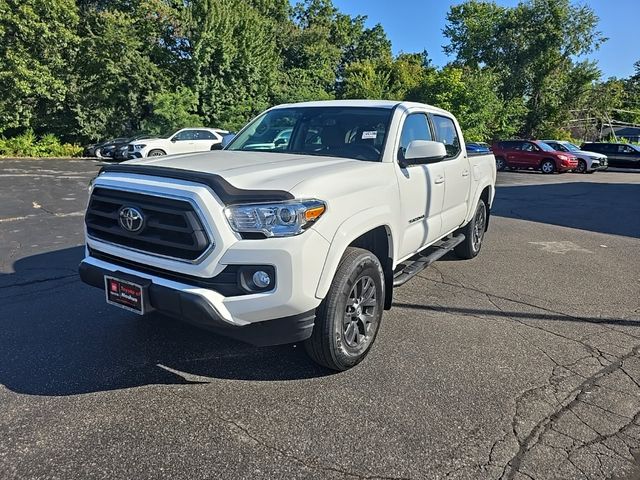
{"type": "Point", "coordinates": [588, 162]}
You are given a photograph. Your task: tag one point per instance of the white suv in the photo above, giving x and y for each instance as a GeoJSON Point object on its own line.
{"type": "Point", "coordinates": [186, 140]}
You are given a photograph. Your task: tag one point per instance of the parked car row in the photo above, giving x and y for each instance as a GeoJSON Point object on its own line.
{"type": "Point", "coordinates": [550, 156]}
{"type": "Point", "coordinates": [184, 140]}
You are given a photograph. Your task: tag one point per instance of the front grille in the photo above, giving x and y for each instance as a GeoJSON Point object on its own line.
{"type": "Point", "coordinates": [130, 148]}
{"type": "Point", "coordinates": [171, 227]}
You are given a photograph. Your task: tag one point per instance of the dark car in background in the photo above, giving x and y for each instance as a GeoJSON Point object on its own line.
{"type": "Point", "coordinates": [621, 155]}
{"type": "Point", "coordinates": [99, 149]}
{"type": "Point", "coordinates": [107, 149]}
{"type": "Point", "coordinates": [532, 154]}
{"type": "Point", "coordinates": [121, 152]}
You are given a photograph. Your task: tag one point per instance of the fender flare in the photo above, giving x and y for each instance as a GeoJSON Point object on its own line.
{"type": "Point", "coordinates": [476, 198]}
{"type": "Point", "coordinates": [352, 228]}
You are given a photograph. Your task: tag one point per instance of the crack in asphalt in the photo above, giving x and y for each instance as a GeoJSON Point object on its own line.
{"type": "Point", "coordinates": [37, 281]}
{"type": "Point", "coordinates": [566, 405]}
{"type": "Point", "coordinates": [310, 464]}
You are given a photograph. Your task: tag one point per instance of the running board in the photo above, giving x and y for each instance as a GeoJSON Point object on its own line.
{"type": "Point", "coordinates": [419, 264]}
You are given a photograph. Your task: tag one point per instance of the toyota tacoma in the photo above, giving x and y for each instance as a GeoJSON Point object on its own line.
{"type": "Point", "coordinates": [298, 231]}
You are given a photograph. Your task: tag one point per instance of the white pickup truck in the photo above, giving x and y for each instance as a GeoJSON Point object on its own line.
{"type": "Point", "coordinates": [284, 238]}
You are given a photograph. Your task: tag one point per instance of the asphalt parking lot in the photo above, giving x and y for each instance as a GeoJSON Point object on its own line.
{"type": "Point", "coordinates": [523, 363]}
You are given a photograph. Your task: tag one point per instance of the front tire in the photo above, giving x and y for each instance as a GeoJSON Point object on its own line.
{"type": "Point", "coordinates": [348, 319]}
{"type": "Point", "coordinates": [548, 167]}
{"type": "Point", "coordinates": [156, 153]}
{"type": "Point", "coordinates": [473, 233]}
{"type": "Point", "coordinates": [582, 167]}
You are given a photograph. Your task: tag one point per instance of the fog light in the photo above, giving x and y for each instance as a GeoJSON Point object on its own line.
{"type": "Point", "coordinates": [261, 279]}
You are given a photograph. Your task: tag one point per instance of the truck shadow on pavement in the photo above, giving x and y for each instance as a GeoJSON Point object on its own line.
{"type": "Point", "coordinates": [611, 208]}
{"type": "Point", "coordinates": [58, 337]}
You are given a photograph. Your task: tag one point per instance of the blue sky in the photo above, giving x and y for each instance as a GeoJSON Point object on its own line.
{"type": "Point", "coordinates": [415, 25]}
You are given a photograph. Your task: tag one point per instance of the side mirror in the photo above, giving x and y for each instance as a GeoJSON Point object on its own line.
{"type": "Point", "coordinates": [174, 140]}
{"type": "Point", "coordinates": [216, 146]}
{"type": "Point", "coordinates": [421, 152]}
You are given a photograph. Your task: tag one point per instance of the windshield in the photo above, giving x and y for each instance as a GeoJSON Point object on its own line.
{"type": "Point", "coordinates": [349, 132]}
{"type": "Point", "coordinates": [571, 147]}
{"type": "Point", "coordinates": [168, 133]}
{"type": "Point", "coordinates": [545, 147]}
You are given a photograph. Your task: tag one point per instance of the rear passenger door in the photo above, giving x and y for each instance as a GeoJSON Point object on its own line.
{"type": "Point", "coordinates": [203, 140]}
{"type": "Point", "coordinates": [457, 175]}
{"type": "Point", "coordinates": [513, 151]}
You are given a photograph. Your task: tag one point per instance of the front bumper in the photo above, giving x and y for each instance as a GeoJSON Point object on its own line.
{"type": "Point", "coordinates": [567, 165]}
{"type": "Point", "coordinates": [187, 305]}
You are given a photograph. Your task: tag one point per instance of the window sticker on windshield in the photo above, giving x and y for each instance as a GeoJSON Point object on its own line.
{"type": "Point", "coordinates": [369, 135]}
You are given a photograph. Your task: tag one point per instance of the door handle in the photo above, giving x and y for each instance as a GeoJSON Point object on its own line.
{"type": "Point", "coordinates": [439, 180]}
{"type": "Point", "coordinates": [465, 173]}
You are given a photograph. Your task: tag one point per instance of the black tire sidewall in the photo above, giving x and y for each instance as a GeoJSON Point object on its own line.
{"type": "Point", "coordinates": [583, 164]}
{"type": "Point", "coordinates": [365, 264]}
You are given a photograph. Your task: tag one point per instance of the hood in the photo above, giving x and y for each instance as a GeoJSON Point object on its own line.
{"type": "Point", "coordinates": [259, 170]}
{"type": "Point", "coordinates": [148, 141]}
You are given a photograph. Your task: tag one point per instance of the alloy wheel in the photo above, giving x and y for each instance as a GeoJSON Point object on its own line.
{"type": "Point", "coordinates": [360, 316]}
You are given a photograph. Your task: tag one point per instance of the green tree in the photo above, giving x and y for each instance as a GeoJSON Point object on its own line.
{"type": "Point", "coordinates": [114, 75]}
{"type": "Point", "coordinates": [318, 46]}
{"type": "Point", "coordinates": [38, 42]}
{"type": "Point", "coordinates": [172, 110]}
{"type": "Point", "coordinates": [531, 47]}
{"type": "Point", "coordinates": [234, 60]}
{"type": "Point", "coordinates": [470, 94]}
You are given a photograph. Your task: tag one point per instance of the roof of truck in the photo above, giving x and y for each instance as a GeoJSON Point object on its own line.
{"type": "Point", "coordinates": [361, 103]}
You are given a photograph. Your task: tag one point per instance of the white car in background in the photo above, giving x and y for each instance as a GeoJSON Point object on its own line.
{"type": "Point", "coordinates": [588, 162]}
{"type": "Point", "coordinates": [185, 140]}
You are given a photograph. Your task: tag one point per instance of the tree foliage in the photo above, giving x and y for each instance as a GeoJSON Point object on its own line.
{"type": "Point", "coordinates": [532, 47]}
{"type": "Point", "coordinates": [89, 69]}
{"type": "Point", "coordinates": [38, 41]}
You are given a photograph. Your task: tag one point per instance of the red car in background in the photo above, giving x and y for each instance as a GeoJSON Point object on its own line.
{"type": "Point", "coordinates": [532, 154]}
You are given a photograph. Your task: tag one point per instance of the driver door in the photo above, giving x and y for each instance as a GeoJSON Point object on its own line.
{"type": "Point", "coordinates": [421, 190]}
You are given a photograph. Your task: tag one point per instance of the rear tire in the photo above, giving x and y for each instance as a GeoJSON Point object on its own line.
{"type": "Point", "coordinates": [501, 164]}
{"type": "Point", "coordinates": [582, 167]}
{"type": "Point", "coordinates": [156, 153]}
{"type": "Point", "coordinates": [473, 233]}
{"type": "Point", "coordinates": [548, 167]}
{"type": "Point", "coordinates": [348, 319]}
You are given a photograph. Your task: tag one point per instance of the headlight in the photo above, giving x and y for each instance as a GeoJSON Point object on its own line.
{"type": "Point", "coordinates": [596, 158]}
{"type": "Point", "coordinates": [563, 157]}
{"type": "Point", "coordinates": [138, 147]}
{"type": "Point", "coordinates": [283, 219]}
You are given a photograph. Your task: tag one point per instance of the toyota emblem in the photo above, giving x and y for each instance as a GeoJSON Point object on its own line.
{"type": "Point", "coordinates": [131, 219]}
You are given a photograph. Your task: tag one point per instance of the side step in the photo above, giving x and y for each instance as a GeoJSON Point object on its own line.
{"type": "Point", "coordinates": [421, 262]}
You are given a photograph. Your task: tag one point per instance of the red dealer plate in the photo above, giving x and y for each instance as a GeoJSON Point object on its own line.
{"type": "Point", "coordinates": [123, 294]}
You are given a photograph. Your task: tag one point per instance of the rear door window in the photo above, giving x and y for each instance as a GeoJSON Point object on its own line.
{"type": "Point", "coordinates": [205, 135]}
